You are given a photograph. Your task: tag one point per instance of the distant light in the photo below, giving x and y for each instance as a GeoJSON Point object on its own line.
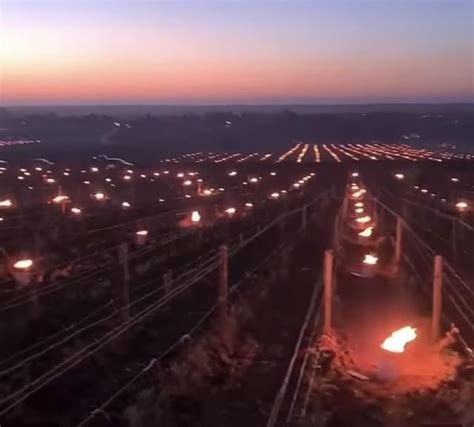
{"type": "Point", "coordinates": [180, 175]}
{"type": "Point", "coordinates": [207, 192]}
{"type": "Point", "coordinates": [455, 179]}
{"type": "Point", "coordinates": [296, 185]}
{"type": "Point", "coordinates": [232, 173]}
{"type": "Point", "coordinates": [359, 205]}
{"type": "Point", "coordinates": [125, 205]}
{"type": "Point", "coordinates": [86, 182]}
{"type": "Point", "coordinates": [161, 200]}
{"type": "Point", "coordinates": [76, 211]}
{"type": "Point", "coordinates": [108, 180]}
{"type": "Point", "coordinates": [424, 190]}
{"type": "Point", "coordinates": [370, 259]}
{"type": "Point", "coordinates": [187, 196]}
{"type": "Point", "coordinates": [20, 178]}
{"type": "Point", "coordinates": [50, 180]}
{"type": "Point", "coordinates": [99, 196]}
{"type": "Point", "coordinates": [66, 173]}
{"type": "Point", "coordinates": [274, 195]}
{"type": "Point", "coordinates": [38, 169]}
{"type": "Point", "coordinates": [359, 210]}
{"type": "Point", "coordinates": [249, 205]}
{"type": "Point", "coordinates": [273, 173]}
{"type": "Point", "coordinates": [230, 211]}
{"type": "Point", "coordinates": [187, 183]}
{"type": "Point", "coordinates": [156, 173]}
{"type": "Point", "coordinates": [354, 174]}
{"type": "Point", "coordinates": [166, 172]}
{"type": "Point", "coordinates": [7, 203]}
{"type": "Point", "coordinates": [142, 233]}
{"type": "Point", "coordinates": [23, 264]}
{"type": "Point", "coordinates": [253, 180]}
{"type": "Point", "coordinates": [399, 176]}
{"type": "Point", "coordinates": [94, 169]}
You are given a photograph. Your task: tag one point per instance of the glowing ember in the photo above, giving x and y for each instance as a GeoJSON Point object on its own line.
{"type": "Point", "coordinates": [397, 341]}
{"type": "Point", "coordinates": [195, 216]}
{"type": "Point", "coordinates": [367, 232]}
{"type": "Point", "coordinates": [7, 203]}
{"type": "Point", "coordinates": [370, 259]}
{"type": "Point", "coordinates": [363, 219]}
{"type": "Point", "coordinates": [23, 264]}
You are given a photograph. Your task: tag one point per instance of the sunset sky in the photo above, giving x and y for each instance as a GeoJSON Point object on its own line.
{"type": "Point", "coordinates": [231, 51]}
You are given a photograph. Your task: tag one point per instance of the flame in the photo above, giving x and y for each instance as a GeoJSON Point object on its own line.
{"type": "Point", "coordinates": [367, 232]}
{"type": "Point", "coordinates": [462, 206]}
{"type": "Point", "coordinates": [363, 219]}
{"type": "Point", "coordinates": [195, 216]}
{"type": "Point", "coordinates": [60, 198]}
{"type": "Point", "coordinates": [370, 259]}
{"type": "Point", "coordinates": [7, 203]}
{"type": "Point", "coordinates": [397, 341]}
{"type": "Point", "coordinates": [23, 264]}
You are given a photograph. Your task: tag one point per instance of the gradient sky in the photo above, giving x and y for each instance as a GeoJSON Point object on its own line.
{"type": "Point", "coordinates": [175, 52]}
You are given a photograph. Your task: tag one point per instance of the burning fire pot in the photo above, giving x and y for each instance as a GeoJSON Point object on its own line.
{"type": "Point", "coordinates": [141, 237]}
{"type": "Point", "coordinates": [23, 272]}
{"type": "Point", "coordinates": [392, 353]}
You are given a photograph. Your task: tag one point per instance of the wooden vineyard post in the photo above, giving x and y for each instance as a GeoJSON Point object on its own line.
{"type": "Point", "coordinates": [167, 278]}
{"type": "Point", "coordinates": [328, 284]}
{"type": "Point", "coordinates": [437, 296]}
{"type": "Point", "coordinates": [223, 282]}
{"type": "Point", "coordinates": [304, 218]}
{"type": "Point", "coordinates": [124, 282]}
{"type": "Point", "coordinates": [398, 241]}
